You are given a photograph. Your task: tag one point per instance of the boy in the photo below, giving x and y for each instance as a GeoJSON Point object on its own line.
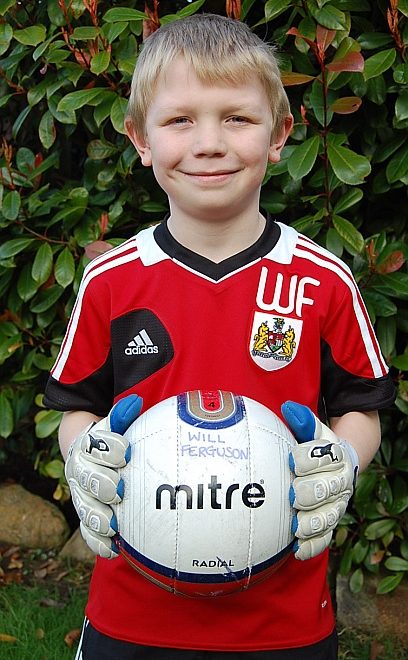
{"type": "Point", "coordinates": [203, 289]}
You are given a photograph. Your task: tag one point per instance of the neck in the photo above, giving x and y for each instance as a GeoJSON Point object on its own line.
{"type": "Point", "coordinates": [217, 240]}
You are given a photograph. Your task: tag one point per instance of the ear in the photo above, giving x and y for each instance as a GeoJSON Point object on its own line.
{"type": "Point", "coordinates": [278, 142]}
{"type": "Point", "coordinates": [140, 143]}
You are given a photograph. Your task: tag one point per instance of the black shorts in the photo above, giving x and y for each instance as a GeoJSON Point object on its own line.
{"type": "Point", "coordinates": [94, 645]}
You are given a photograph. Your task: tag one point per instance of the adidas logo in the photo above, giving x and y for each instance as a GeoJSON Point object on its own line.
{"type": "Point", "coordinates": [141, 344]}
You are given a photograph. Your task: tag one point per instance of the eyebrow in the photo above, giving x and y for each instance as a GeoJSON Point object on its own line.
{"type": "Point", "coordinates": [235, 109]}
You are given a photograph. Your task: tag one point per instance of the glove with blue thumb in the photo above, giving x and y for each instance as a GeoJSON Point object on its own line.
{"type": "Point", "coordinates": [91, 470]}
{"type": "Point", "coordinates": [325, 469]}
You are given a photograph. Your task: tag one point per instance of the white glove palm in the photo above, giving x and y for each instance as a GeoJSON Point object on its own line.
{"type": "Point", "coordinates": [325, 469]}
{"type": "Point", "coordinates": [91, 470]}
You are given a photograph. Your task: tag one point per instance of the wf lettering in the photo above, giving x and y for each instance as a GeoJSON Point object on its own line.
{"type": "Point", "coordinates": [295, 297]}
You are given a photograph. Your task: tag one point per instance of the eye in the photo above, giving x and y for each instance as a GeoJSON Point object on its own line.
{"type": "Point", "coordinates": [239, 119]}
{"type": "Point", "coordinates": [178, 121]}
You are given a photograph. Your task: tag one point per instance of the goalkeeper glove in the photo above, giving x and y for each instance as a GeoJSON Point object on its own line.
{"type": "Point", "coordinates": [91, 470]}
{"type": "Point", "coordinates": [325, 469]}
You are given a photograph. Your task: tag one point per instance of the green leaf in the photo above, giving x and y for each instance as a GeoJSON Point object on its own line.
{"type": "Point", "coordinates": [329, 17]}
{"type": "Point", "coordinates": [318, 102]}
{"type": "Point", "coordinates": [356, 581]}
{"type": "Point", "coordinates": [403, 7]}
{"type": "Point", "coordinates": [104, 107]}
{"type": "Point", "coordinates": [13, 247]}
{"type": "Point", "coordinates": [349, 167]}
{"type": "Point", "coordinates": [6, 35]}
{"type": "Point", "coordinates": [11, 205]}
{"type": "Point", "coordinates": [274, 8]}
{"type": "Point", "coordinates": [334, 243]}
{"type": "Point", "coordinates": [374, 40]}
{"type": "Point", "coordinates": [99, 150]}
{"type": "Point", "coordinates": [35, 94]}
{"type": "Point", "coordinates": [349, 199]}
{"type": "Point", "coordinates": [26, 286]}
{"type": "Point", "coordinates": [46, 299]}
{"type": "Point", "coordinates": [65, 268]}
{"type": "Point", "coordinates": [100, 62]}
{"type": "Point", "coordinates": [350, 236]}
{"type": "Point", "coordinates": [76, 100]}
{"type": "Point", "coordinates": [31, 36]}
{"type": "Point", "coordinates": [46, 130]}
{"type": "Point", "coordinates": [118, 14]}
{"type": "Point", "coordinates": [20, 121]}
{"type": "Point", "coordinates": [393, 284]}
{"type": "Point", "coordinates": [400, 74]}
{"type": "Point", "coordinates": [51, 161]}
{"type": "Point", "coordinates": [46, 422]}
{"type": "Point", "coordinates": [397, 167]}
{"type": "Point", "coordinates": [54, 469]}
{"type": "Point", "coordinates": [8, 347]}
{"type": "Point", "coordinates": [378, 63]}
{"type": "Point", "coordinates": [303, 158]}
{"type": "Point", "coordinates": [365, 485]}
{"type": "Point", "coordinates": [5, 5]}
{"type": "Point", "coordinates": [385, 149]}
{"type": "Point", "coordinates": [379, 304]}
{"type": "Point", "coordinates": [386, 331]}
{"type": "Point", "coordinates": [396, 564]}
{"type": "Point", "coordinates": [85, 33]}
{"type": "Point", "coordinates": [6, 417]}
{"type": "Point", "coordinates": [388, 584]}
{"type": "Point", "coordinates": [401, 105]}
{"type": "Point", "coordinates": [79, 196]}
{"type": "Point", "coordinates": [42, 265]}
{"type": "Point", "coordinates": [118, 113]}
{"type": "Point", "coordinates": [400, 362]}
{"type": "Point", "coordinates": [190, 9]}
{"type": "Point", "coordinates": [379, 528]}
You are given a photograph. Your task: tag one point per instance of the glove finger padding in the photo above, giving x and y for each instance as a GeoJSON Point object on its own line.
{"type": "Point", "coordinates": [91, 470]}
{"type": "Point", "coordinates": [100, 545]}
{"type": "Point", "coordinates": [82, 469]}
{"type": "Point", "coordinates": [326, 473]}
{"type": "Point", "coordinates": [95, 515]}
{"type": "Point", "coordinates": [320, 520]}
{"type": "Point", "coordinates": [325, 469]}
{"type": "Point", "coordinates": [309, 548]}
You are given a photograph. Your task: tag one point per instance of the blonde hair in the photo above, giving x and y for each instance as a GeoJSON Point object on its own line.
{"type": "Point", "coordinates": [218, 49]}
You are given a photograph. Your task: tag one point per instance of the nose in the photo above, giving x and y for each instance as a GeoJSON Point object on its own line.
{"type": "Point", "coordinates": [208, 140]}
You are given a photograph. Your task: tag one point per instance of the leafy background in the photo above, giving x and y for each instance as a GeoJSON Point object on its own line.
{"type": "Point", "coordinates": [71, 186]}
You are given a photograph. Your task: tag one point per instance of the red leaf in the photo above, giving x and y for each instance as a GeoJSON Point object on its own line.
{"type": "Point", "coordinates": [96, 248]}
{"type": "Point", "coordinates": [392, 263]}
{"type": "Point", "coordinates": [293, 78]}
{"type": "Point", "coordinates": [299, 35]}
{"type": "Point", "coordinates": [324, 37]}
{"type": "Point", "coordinates": [350, 62]}
{"type": "Point", "coordinates": [346, 105]}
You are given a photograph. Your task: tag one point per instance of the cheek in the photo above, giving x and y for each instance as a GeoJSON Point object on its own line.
{"type": "Point", "coordinates": [165, 154]}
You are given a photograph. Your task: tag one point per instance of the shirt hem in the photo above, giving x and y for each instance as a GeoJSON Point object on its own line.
{"type": "Point", "coordinates": [173, 644]}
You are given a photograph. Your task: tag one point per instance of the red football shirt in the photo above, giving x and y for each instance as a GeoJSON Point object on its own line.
{"type": "Point", "coordinates": [282, 320]}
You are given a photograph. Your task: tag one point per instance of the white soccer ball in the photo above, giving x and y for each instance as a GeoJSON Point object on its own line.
{"type": "Point", "coordinates": [206, 507]}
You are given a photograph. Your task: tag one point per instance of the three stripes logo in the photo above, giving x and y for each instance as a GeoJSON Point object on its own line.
{"type": "Point", "coordinates": [141, 344]}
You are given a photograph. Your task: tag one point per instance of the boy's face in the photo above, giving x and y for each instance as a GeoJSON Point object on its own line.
{"type": "Point", "coordinates": [208, 144]}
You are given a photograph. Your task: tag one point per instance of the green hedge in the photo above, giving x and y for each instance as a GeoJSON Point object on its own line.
{"type": "Point", "coordinates": [71, 186]}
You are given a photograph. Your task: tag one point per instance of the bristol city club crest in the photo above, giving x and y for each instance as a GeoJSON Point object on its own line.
{"type": "Point", "coordinates": [274, 340]}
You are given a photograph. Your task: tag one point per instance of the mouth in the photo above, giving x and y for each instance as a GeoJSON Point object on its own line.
{"type": "Point", "coordinates": [215, 173]}
{"type": "Point", "coordinates": [210, 176]}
